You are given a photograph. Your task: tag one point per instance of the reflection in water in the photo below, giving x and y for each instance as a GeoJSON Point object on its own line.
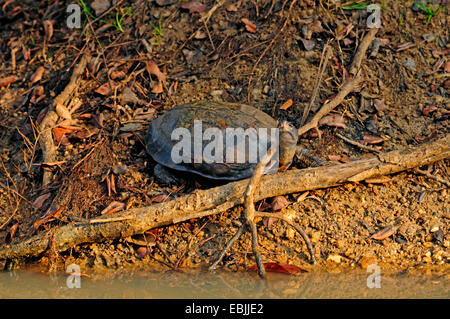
{"type": "Point", "coordinates": [221, 285]}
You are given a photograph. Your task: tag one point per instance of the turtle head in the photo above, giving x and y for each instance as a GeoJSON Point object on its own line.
{"type": "Point", "coordinates": [288, 143]}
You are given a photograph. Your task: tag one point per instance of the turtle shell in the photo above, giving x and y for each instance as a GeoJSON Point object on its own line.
{"type": "Point", "coordinates": [215, 115]}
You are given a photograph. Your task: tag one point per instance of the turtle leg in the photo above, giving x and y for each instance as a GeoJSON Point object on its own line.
{"type": "Point", "coordinates": [165, 176]}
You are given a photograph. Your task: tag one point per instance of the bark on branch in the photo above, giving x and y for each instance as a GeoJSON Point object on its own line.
{"type": "Point", "coordinates": [207, 202]}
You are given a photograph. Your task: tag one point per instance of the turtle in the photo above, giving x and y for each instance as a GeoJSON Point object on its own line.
{"type": "Point", "coordinates": [218, 117]}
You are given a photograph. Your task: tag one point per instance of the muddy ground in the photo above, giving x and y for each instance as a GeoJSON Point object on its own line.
{"type": "Point", "coordinates": [264, 61]}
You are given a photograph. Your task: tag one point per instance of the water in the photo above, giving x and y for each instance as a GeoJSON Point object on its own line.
{"type": "Point", "coordinates": [221, 285]}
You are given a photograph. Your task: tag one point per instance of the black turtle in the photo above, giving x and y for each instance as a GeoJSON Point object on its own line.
{"type": "Point", "coordinates": [216, 116]}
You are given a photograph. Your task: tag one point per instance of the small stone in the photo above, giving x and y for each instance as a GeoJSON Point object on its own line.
{"type": "Point", "coordinates": [334, 258]}
{"type": "Point", "coordinates": [216, 93]}
{"type": "Point", "coordinates": [446, 243]}
{"type": "Point", "coordinates": [366, 261]}
{"type": "Point", "coordinates": [290, 233]}
{"type": "Point", "coordinates": [427, 244]}
{"type": "Point", "coordinates": [315, 237]}
{"type": "Point", "coordinates": [341, 243]}
{"type": "Point", "coordinates": [426, 259]}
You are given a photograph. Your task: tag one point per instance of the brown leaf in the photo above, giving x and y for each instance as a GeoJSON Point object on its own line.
{"type": "Point", "coordinates": [117, 75]}
{"type": "Point", "coordinates": [372, 139]}
{"type": "Point", "coordinates": [114, 207]}
{"type": "Point", "coordinates": [336, 120]}
{"type": "Point", "coordinates": [153, 69]}
{"type": "Point", "coordinates": [159, 198]}
{"type": "Point", "coordinates": [232, 8]}
{"type": "Point", "coordinates": [11, 232]}
{"type": "Point", "coordinates": [38, 202]}
{"type": "Point", "coordinates": [250, 26]}
{"type": "Point", "coordinates": [104, 90]}
{"type": "Point", "coordinates": [199, 35]}
{"type": "Point", "coordinates": [100, 6]}
{"type": "Point", "coordinates": [279, 268]}
{"type": "Point", "coordinates": [194, 6]}
{"type": "Point", "coordinates": [8, 80]}
{"type": "Point", "coordinates": [429, 109]}
{"type": "Point", "coordinates": [447, 67]}
{"type": "Point", "coordinates": [48, 28]}
{"type": "Point", "coordinates": [378, 180]}
{"type": "Point", "coordinates": [384, 233]}
{"type": "Point", "coordinates": [379, 105]}
{"type": "Point", "coordinates": [308, 44]}
{"type": "Point", "coordinates": [279, 202]}
{"type": "Point", "coordinates": [52, 213]}
{"type": "Point", "coordinates": [37, 75]}
{"type": "Point", "coordinates": [286, 105]}
{"type": "Point", "coordinates": [158, 88]}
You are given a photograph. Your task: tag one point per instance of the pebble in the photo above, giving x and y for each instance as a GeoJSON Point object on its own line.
{"type": "Point", "coordinates": [216, 93]}
{"type": "Point", "coordinates": [366, 261]}
{"type": "Point", "coordinates": [334, 258]}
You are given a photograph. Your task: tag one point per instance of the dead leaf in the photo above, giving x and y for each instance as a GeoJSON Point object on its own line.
{"type": "Point", "coordinates": [153, 69]}
{"type": "Point", "coordinates": [372, 139]}
{"type": "Point", "coordinates": [104, 90]}
{"type": "Point", "coordinates": [159, 198]}
{"type": "Point", "coordinates": [117, 75]}
{"type": "Point", "coordinates": [158, 88]}
{"type": "Point", "coordinates": [279, 268]}
{"type": "Point", "coordinates": [429, 109]}
{"type": "Point", "coordinates": [11, 232]}
{"type": "Point", "coordinates": [447, 67]}
{"type": "Point", "coordinates": [384, 233]}
{"type": "Point", "coordinates": [37, 75]}
{"type": "Point", "coordinates": [232, 8]}
{"type": "Point", "coordinates": [164, 2]}
{"type": "Point", "coordinates": [52, 213]}
{"type": "Point", "coordinates": [194, 6]}
{"type": "Point", "coordinates": [379, 105]}
{"type": "Point", "coordinates": [279, 202]}
{"type": "Point", "coordinates": [100, 6]}
{"type": "Point", "coordinates": [308, 44]}
{"type": "Point", "coordinates": [286, 105]}
{"type": "Point", "coordinates": [378, 180]}
{"type": "Point", "coordinates": [199, 35]}
{"type": "Point", "coordinates": [128, 96]}
{"type": "Point", "coordinates": [250, 26]}
{"type": "Point", "coordinates": [48, 28]}
{"type": "Point", "coordinates": [38, 202]}
{"type": "Point", "coordinates": [114, 207]}
{"type": "Point", "coordinates": [8, 80]}
{"type": "Point", "coordinates": [336, 120]}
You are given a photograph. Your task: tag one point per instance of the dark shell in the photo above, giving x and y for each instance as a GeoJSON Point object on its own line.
{"type": "Point", "coordinates": [212, 114]}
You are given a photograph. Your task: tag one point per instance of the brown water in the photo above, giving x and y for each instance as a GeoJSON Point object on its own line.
{"type": "Point", "coordinates": [221, 285]}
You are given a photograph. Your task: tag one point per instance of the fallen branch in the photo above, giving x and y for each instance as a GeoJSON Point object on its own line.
{"type": "Point", "coordinates": [56, 110]}
{"type": "Point", "coordinates": [347, 88]}
{"type": "Point", "coordinates": [202, 203]}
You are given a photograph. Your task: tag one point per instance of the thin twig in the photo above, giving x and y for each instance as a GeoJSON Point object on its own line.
{"type": "Point", "coordinates": [429, 175]}
{"type": "Point", "coordinates": [357, 144]}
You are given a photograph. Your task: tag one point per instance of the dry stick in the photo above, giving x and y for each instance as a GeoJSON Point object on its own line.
{"type": "Point", "coordinates": [436, 178]}
{"type": "Point", "coordinates": [201, 203]}
{"type": "Point", "coordinates": [326, 53]}
{"type": "Point", "coordinates": [357, 144]}
{"type": "Point", "coordinates": [46, 139]}
{"type": "Point", "coordinates": [348, 87]}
